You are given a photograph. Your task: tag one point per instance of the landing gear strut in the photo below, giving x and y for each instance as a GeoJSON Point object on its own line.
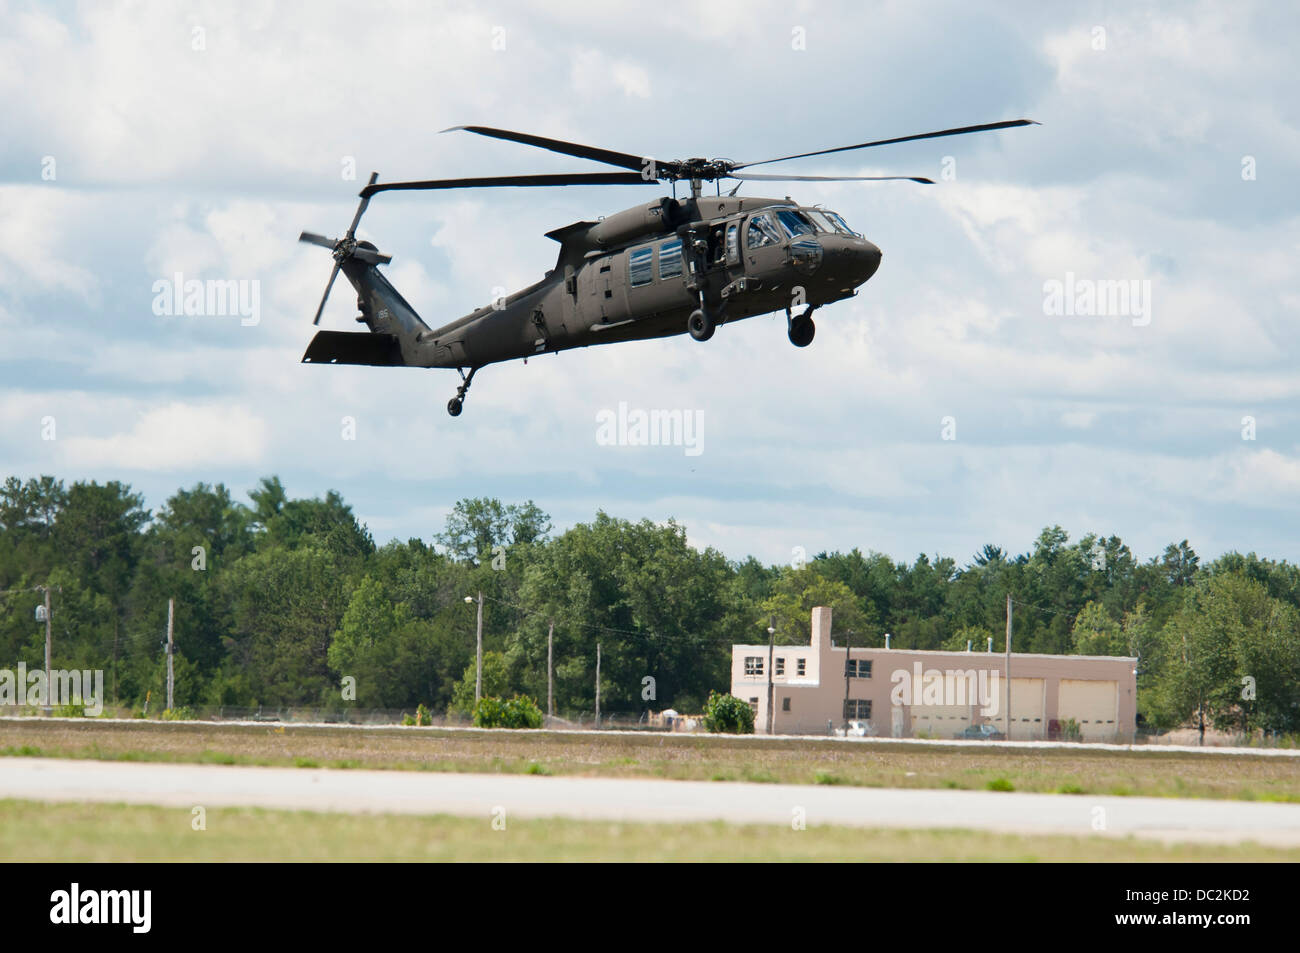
{"type": "Point", "coordinates": [801, 329]}
{"type": "Point", "coordinates": [457, 403]}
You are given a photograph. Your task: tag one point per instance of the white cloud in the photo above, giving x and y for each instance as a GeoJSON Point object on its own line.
{"type": "Point", "coordinates": [175, 437]}
{"type": "Point", "coordinates": [210, 162]}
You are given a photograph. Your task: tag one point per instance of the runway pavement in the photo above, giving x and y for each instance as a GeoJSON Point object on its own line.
{"type": "Point", "coordinates": [618, 799]}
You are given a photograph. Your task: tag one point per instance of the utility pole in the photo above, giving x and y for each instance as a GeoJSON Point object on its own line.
{"type": "Point", "coordinates": [478, 654]}
{"type": "Point", "coordinates": [597, 684]}
{"type": "Point", "coordinates": [848, 652]}
{"type": "Point", "coordinates": [114, 659]}
{"type": "Point", "coordinates": [171, 677]}
{"type": "Point", "coordinates": [550, 672]}
{"type": "Point", "coordinates": [771, 647]}
{"type": "Point", "coordinates": [48, 642]}
{"type": "Point", "coordinates": [1006, 668]}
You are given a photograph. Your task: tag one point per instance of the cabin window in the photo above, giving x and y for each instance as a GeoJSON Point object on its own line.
{"type": "Point", "coordinates": [670, 259]}
{"type": "Point", "coordinates": [761, 232]}
{"type": "Point", "coordinates": [733, 244]}
{"type": "Point", "coordinates": [638, 266]}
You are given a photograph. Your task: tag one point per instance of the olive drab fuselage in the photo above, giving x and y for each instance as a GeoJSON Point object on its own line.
{"type": "Point", "coordinates": [632, 276]}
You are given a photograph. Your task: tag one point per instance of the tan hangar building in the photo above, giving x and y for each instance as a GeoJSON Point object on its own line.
{"type": "Point", "coordinates": [905, 693]}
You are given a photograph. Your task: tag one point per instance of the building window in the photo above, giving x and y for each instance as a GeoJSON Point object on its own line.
{"type": "Point", "coordinates": [801, 667]}
{"type": "Point", "coordinates": [638, 266]}
{"type": "Point", "coordinates": [857, 709]}
{"type": "Point", "coordinates": [753, 706]}
{"type": "Point", "coordinates": [857, 668]}
{"type": "Point", "coordinates": [670, 259]}
{"type": "Point", "coordinates": [780, 666]}
{"type": "Point", "coordinates": [785, 703]}
{"type": "Point", "coordinates": [753, 665]}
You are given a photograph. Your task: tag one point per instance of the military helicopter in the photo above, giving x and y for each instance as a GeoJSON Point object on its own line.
{"type": "Point", "coordinates": [655, 270]}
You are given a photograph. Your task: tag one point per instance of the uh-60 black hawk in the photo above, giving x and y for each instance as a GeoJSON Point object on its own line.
{"type": "Point", "coordinates": [655, 270]}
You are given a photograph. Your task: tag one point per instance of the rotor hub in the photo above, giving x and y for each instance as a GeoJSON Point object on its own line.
{"type": "Point", "coordinates": [704, 169]}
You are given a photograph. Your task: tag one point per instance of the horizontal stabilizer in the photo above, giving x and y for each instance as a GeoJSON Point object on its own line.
{"type": "Point", "coordinates": [354, 347]}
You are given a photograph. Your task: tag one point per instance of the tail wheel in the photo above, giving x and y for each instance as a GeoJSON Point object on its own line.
{"type": "Point", "coordinates": [454, 406]}
{"type": "Point", "coordinates": [801, 331]}
{"type": "Point", "coordinates": [700, 325]}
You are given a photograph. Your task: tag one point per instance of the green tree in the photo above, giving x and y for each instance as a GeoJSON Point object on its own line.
{"type": "Point", "coordinates": [1096, 633]}
{"type": "Point", "coordinates": [475, 527]}
{"type": "Point", "coordinates": [496, 682]}
{"type": "Point", "coordinates": [286, 604]}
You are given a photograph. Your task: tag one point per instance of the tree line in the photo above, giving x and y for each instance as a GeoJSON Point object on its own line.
{"type": "Point", "coordinates": [278, 600]}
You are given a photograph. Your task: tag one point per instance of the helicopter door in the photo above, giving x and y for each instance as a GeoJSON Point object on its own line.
{"type": "Point", "coordinates": [763, 247]}
{"type": "Point", "coordinates": [595, 300]}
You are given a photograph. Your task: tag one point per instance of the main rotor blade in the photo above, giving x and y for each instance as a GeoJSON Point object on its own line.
{"type": "Point", "coordinates": [579, 178]}
{"type": "Point", "coordinates": [886, 142]}
{"type": "Point", "coordinates": [321, 310]}
{"type": "Point", "coordinates": [760, 177]}
{"type": "Point", "coordinates": [312, 238]}
{"type": "Point", "coordinates": [624, 160]}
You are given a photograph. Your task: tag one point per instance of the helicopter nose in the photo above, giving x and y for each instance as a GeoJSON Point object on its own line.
{"type": "Point", "coordinates": [868, 260]}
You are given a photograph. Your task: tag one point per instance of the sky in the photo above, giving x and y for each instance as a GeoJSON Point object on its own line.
{"type": "Point", "coordinates": [954, 402]}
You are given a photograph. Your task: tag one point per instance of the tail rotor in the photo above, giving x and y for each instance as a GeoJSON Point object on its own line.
{"type": "Point", "coordinates": [345, 248]}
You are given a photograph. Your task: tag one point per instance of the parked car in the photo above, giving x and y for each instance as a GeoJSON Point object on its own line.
{"type": "Point", "coordinates": [858, 729]}
{"type": "Point", "coordinates": [981, 733]}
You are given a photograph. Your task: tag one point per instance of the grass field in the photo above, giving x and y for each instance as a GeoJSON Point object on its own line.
{"type": "Point", "coordinates": [795, 761]}
{"type": "Point", "coordinates": [33, 831]}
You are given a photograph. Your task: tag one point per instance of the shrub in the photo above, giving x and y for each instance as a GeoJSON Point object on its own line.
{"type": "Point", "coordinates": [422, 717]}
{"type": "Point", "coordinates": [518, 712]}
{"type": "Point", "coordinates": [181, 713]}
{"type": "Point", "coordinates": [727, 713]}
{"type": "Point", "coordinates": [1070, 730]}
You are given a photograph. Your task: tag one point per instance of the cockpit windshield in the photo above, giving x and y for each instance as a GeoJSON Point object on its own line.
{"type": "Point", "coordinates": [795, 223]}
{"type": "Point", "coordinates": [840, 223]}
{"type": "Point", "coordinates": [826, 222]}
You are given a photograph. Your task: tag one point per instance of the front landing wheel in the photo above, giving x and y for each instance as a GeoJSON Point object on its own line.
{"type": "Point", "coordinates": [801, 331]}
{"type": "Point", "coordinates": [454, 406]}
{"type": "Point", "coordinates": [700, 325]}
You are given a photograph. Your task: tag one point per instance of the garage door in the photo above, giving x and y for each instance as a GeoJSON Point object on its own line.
{"type": "Point", "coordinates": [1028, 700]}
{"type": "Point", "coordinates": [940, 721]}
{"type": "Point", "coordinates": [1093, 704]}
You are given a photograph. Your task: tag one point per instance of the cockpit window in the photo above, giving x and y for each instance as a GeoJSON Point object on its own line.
{"type": "Point", "coordinates": [825, 222]}
{"type": "Point", "coordinates": [795, 223]}
{"type": "Point", "coordinates": [841, 224]}
{"type": "Point", "coordinates": [761, 232]}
